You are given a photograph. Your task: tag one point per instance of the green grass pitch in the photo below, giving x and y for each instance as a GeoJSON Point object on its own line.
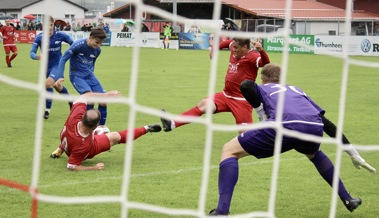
{"type": "Point", "coordinates": [167, 167]}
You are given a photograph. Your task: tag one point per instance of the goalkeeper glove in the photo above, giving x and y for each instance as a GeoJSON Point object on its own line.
{"type": "Point", "coordinates": [359, 162]}
{"type": "Point", "coordinates": [261, 113]}
{"type": "Point", "coordinates": [262, 118]}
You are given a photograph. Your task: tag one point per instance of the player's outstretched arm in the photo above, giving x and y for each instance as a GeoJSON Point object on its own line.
{"type": "Point", "coordinates": [33, 52]}
{"type": "Point", "coordinates": [248, 91]}
{"type": "Point", "coordinates": [83, 98]}
{"type": "Point", "coordinates": [357, 160]}
{"type": "Point", "coordinates": [330, 129]}
{"type": "Point", "coordinates": [98, 166]}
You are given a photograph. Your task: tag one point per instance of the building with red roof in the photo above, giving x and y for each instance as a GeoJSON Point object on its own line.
{"type": "Point", "coordinates": [307, 16]}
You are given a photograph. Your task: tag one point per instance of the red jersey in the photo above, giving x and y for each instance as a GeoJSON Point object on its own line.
{"type": "Point", "coordinates": [8, 35]}
{"type": "Point", "coordinates": [76, 145]}
{"type": "Point", "coordinates": [241, 69]}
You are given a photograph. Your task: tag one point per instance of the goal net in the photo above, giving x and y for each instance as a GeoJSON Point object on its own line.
{"type": "Point", "coordinates": [207, 170]}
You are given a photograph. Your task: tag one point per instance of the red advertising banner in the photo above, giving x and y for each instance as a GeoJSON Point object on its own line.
{"type": "Point", "coordinates": [25, 36]}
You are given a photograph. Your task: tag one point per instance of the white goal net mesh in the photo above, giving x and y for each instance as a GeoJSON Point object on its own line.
{"type": "Point", "coordinates": [130, 100]}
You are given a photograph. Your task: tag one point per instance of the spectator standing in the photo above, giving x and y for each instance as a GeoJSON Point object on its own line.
{"type": "Point", "coordinates": [68, 27]}
{"type": "Point", "coordinates": [18, 27]}
{"type": "Point", "coordinates": [24, 26]}
{"type": "Point", "coordinates": [39, 26]}
{"type": "Point", "coordinates": [167, 35]}
{"type": "Point", "coordinates": [124, 28]}
{"type": "Point", "coordinates": [106, 28]}
{"type": "Point", "coordinates": [78, 27]}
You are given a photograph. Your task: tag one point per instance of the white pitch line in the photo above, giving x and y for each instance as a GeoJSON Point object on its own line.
{"type": "Point", "coordinates": [138, 175]}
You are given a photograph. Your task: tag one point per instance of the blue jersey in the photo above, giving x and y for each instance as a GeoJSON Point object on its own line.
{"type": "Point", "coordinates": [55, 47]}
{"type": "Point", "coordinates": [82, 58]}
{"type": "Point", "coordinates": [298, 107]}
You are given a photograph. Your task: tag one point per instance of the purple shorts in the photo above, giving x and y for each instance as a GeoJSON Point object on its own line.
{"type": "Point", "coordinates": [261, 142]}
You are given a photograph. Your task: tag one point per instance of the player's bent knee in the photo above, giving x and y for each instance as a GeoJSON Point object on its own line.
{"type": "Point", "coordinates": [233, 149]}
{"type": "Point", "coordinates": [49, 83]}
{"type": "Point", "coordinates": [114, 138]}
{"type": "Point", "coordinates": [202, 105]}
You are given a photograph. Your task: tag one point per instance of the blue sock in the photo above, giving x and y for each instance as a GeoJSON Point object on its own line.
{"type": "Point", "coordinates": [326, 169]}
{"type": "Point", "coordinates": [65, 92]}
{"type": "Point", "coordinates": [227, 179]}
{"type": "Point", "coordinates": [49, 102]}
{"type": "Point", "coordinates": [103, 113]}
{"type": "Point", "coordinates": [89, 106]}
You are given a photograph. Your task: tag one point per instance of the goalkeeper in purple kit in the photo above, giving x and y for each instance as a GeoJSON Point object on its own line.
{"type": "Point", "coordinates": [300, 114]}
{"type": "Point", "coordinates": [83, 54]}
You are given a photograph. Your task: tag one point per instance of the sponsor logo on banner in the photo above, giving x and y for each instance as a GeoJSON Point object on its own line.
{"type": "Point", "coordinates": [322, 44]}
{"type": "Point", "coordinates": [25, 36]}
{"type": "Point", "coordinates": [276, 44]}
{"type": "Point", "coordinates": [123, 35]}
{"type": "Point", "coordinates": [355, 45]}
{"type": "Point", "coordinates": [366, 45]}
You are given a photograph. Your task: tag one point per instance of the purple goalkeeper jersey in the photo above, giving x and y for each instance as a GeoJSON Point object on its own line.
{"type": "Point", "coordinates": [298, 107]}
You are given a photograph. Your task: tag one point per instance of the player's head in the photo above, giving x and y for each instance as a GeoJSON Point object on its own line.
{"type": "Point", "coordinates": [270, 73]}
{"type": "Point", "coordinates": [240, 46]}
{"type": "Point", "coordinates": [7, 22]}
{"type": "Point", "coordinates": [91, 118]}
{"type": "Point", "coordinates": [51, 25]}
{"type": "Point", "coordinates": [96, 38]}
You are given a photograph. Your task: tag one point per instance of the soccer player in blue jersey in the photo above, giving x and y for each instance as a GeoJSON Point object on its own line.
{"type": "Point", "coordinates": [55, 54]}
{"type": "Point", "coordinates": [301, 114]}
{"type": "Point", "coordinates": [83, 54]}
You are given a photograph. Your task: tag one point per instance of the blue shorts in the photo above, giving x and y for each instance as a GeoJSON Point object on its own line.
{"type": "Point", "coordinates": [54, 73]}
{"type": "Point", "coordinates": [86, 84]}
{"type": "Point", "coordinates": [261, 142]}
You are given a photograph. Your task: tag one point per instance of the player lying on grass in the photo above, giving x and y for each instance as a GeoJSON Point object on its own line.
{"type": "Point", "coordinates": [300, 114]}
{"type": "Point", "coordinates": [77, 138]}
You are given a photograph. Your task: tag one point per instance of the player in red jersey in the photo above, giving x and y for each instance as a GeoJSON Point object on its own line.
{"type": "Point", "coordinates": [244, 63]}
{"type": "Point", "coordinates": [8, 37]}
{"type": "Point", "coordinates": [79, 142]}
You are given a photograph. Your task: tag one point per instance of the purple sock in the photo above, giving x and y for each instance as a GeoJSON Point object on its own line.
{"type": "Point", "coordinates": [227, 179]}
{"type": "Point", "coordinates": [326, 169]}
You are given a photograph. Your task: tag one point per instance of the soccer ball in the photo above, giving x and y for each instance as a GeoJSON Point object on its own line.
{"type": "Point", "coordinates": [101, 130]}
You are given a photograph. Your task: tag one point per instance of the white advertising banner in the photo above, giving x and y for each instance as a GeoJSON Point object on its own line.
{"type": "Point", "coordinates": [75, 35]}
{"type": "Point", "coordinates": [148, 39]}
{"type": "Point", "coordinates": [357, 45]}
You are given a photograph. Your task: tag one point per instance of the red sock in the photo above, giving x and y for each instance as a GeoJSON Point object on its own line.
{"type": "Point", "coordinates": [7, 58]}
{"type": "Point", "coordinates": [12, 57]}
{"type": "Point", "coordinates": [137, 133]}
{"type": "Point", "coordinates": [195, 111]}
